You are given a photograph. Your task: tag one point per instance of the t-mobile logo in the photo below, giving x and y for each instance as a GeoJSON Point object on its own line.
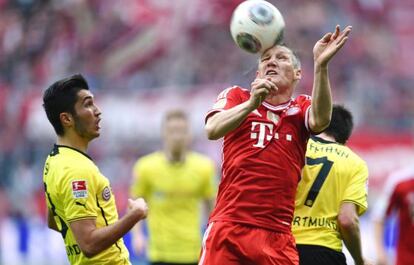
{"type": "Point", "coordinates": [265, 132]}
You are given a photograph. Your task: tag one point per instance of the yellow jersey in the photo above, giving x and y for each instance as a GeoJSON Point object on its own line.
{"type": "Point", "coordinates": [75, 190]}
{"type": "Point", "coordinates": [333, 174]}
{"type": "Point", "coordinates": [174, 192]}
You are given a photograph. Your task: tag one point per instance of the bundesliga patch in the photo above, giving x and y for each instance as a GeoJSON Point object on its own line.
{"type": "Point", "coordinates": [79, 189]}
{"type": "Point", "coordinates": [106, 193]}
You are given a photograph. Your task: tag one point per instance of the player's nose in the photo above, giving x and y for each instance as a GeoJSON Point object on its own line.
{"type": "Point", "coordinates": [97, 110]}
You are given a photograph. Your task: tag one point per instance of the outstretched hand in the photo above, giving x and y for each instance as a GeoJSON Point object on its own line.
{"type": "Point", "coordinates": [329, 45]}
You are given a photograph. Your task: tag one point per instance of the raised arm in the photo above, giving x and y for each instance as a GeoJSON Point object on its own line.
{"type": "Point", "coordinates": [93, 240]}
{"type": "Point", "coordinates": [324, 50]}
{"type": "Point", "coordinates": [223, 122]}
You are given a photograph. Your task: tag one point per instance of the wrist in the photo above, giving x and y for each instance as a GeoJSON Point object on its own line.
{"type": "Point", "coordinates": [319, 67]}
{"type": "Point", "coordinates": [136, 214]}
{"type": "Point", "coordinates": [251, 105]}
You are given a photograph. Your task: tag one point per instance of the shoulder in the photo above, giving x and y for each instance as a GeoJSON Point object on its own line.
{"type": "Point", "coordinates": [233, 91]}
{"type": "Point", "coordinates": [302, 98]}
{"type": "Point", "coordinates": [355, 157]}
{"type": "Point", "coordinates": [399, 176]}
{"type": "Point", "coordinates": [149, 160]}
{"type": "Point", "coordinates": [198, 158]}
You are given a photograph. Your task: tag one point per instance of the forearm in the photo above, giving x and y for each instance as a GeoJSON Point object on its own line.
{"type": "Point", "coordinates": [102, 238]}
{"type": "Point", "coordinates": [225, 121]}
{"type": "Point", "coordinates": [379, 238]}
{"type": "Point", "coordinates": [51, 222]}
{"type": "Point", "coordinates": [352, 240]}
{"type": "Point", "coordinates": [321, 99]}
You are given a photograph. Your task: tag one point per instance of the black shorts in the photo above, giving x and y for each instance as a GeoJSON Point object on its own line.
{"type": "Point", "coordinates": [318, 255]}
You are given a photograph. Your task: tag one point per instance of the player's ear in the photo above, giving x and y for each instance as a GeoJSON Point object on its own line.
{"type": "Point", "coordinates": [66, 119]}
{"type": "Point", "coordinates": [298, 74]}
{"type": "Point", "coordinates": [257, 74]}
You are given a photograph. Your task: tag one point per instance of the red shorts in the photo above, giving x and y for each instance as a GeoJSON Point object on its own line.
{"type": "Point", "coordinates": [234, 244]}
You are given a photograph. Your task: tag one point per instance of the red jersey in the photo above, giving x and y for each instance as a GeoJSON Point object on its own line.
{"type": "Point", "coordinates": [262, 161]}
{"type": "Point", "coordinates": [399, 198]}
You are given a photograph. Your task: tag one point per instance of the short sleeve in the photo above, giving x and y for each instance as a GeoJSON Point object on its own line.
{"type": "Point", "coordinates": [79, 195]}
{"type": "Point", "coordinates": [304, 102]}
{"type": "Point", "coordinates": [209, 180]}
{"type": "Point", "coordinates": [140, 184]}
{"type": "Point", "coordinates": [357, 190]}
{"type": "Point", "coordinates": [227, 99]}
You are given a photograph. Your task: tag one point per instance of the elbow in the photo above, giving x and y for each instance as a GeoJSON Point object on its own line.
{"type": "Point", "coordinates": [89, 250]}
{"type": "Point", "coordinates": [348, 222]}
{"type": "Point", "coordinates": [321, 124]}
{"type": "Point", "coordinates": [211, 133]}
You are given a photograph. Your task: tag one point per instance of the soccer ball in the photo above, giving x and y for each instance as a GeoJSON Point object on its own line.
{"type": "Point", "coordinates": [256, 25]}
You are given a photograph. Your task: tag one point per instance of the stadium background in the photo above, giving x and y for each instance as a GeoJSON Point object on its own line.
{"type": "Point", "coordinates": [143, 57]}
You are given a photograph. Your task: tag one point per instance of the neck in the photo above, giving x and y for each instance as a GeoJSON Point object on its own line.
{"type": "Point", "coordinates": [280, 97]}
{"type": "Point", "coordinates": [326, 137]}
{"type": "Point", "coordinates": [175, 156]}
{"type": "Point", "coordinates": [277, 99]}
{"type": "Point", "coordinates": [73, 141]}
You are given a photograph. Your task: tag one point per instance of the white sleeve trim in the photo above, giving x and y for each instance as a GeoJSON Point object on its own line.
{"type": "Point", "coordinates": [307, 118]}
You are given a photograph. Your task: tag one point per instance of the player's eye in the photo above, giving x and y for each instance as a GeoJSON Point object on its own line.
{"type": "Point", "coordinates": [88, 103]}
{"type": "Point", "coordinates": [265, 58]}
{"type": "Point", "coordinates": [282, 57]}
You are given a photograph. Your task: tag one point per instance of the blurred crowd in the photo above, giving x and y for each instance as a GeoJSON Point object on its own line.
{"type": "Point", "coordinates": [142, 56]}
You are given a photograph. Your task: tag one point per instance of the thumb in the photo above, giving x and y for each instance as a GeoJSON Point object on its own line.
{"type": "Point", "coordinates": [130, 202]}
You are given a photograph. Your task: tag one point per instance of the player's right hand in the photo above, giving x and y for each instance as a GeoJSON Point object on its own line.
{"type": "Point", "coordinates": [260, 88]}
{"type": "Point", "coordinates": [139, 206]}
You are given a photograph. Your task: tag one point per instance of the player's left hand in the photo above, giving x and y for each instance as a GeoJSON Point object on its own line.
{"type": "Point", "coordinates": [329, 45]}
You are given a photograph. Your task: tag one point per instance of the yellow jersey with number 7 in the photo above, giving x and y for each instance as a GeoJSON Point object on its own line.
{"type": "Point", "coordinates": [333, 174]}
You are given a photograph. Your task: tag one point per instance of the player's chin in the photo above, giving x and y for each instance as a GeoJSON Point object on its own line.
{"type": "Point", "coordinates": [272, 78]}
{"type": "Point", "coordinates": [95, 133]}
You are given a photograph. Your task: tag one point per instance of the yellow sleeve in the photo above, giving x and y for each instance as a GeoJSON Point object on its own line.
{"type": "Point", "coordinates": [140, 183]}
{"type": "Point", "coordinates": [356, 190]}
{"type": "Point", "coordinates": [209, 185]}
{"type": "Point", "coordinates": [79, 195]}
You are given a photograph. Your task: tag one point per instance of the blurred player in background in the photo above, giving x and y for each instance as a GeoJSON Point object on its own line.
{"type": "Point", "coordinates": [397, 199]}
{"type": "Point", "coordinates": [330, 196]}
{"type": "Point", "coordinates": [265, 132]}
{"type": "Point", "coordinates": [79, 198]}
{"type": "Point", "coordinates": [175, 182]}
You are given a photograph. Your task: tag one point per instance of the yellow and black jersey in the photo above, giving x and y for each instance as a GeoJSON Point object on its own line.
{"type": "Point", "coordinates": [75, 189]}
{"type": "Point", "coordinates": [333, 174]}
{"type": "Point", "coordinates": [174, 192]}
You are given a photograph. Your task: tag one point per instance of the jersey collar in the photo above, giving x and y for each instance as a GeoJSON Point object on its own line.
{"type": "Point", "coordinates": [319, 139]}
{"type": "Point", "coordinates": [277, 107]}
{"type": "Point", "coordinates": [57, 146]}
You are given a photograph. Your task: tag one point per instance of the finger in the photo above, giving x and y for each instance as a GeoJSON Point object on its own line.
{"type": "Point", "coordinates": [273, 86]}
{"type": "Point", "coordinates": [336, 33]}
{"type": "Point", "coordinates": [326, 37]}
{"type": "Point", "coordinates": [266, 84]}
{"type": "Point", "coordinates": [344, 33]}
{"type": "Point", "coordinates": [263, 92]}
{"type": "Point", "coordinates": [341, 43]}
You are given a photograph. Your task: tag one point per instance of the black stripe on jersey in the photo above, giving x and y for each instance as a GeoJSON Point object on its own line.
{"type": "Point", "coordinates": [104, 217]}
{"type": "Point", "coordinates": [65, 228]}
{"type": "Point", "coordinates": [57, 146]}
{"type": "Point", "coordinates": [54, 151]}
